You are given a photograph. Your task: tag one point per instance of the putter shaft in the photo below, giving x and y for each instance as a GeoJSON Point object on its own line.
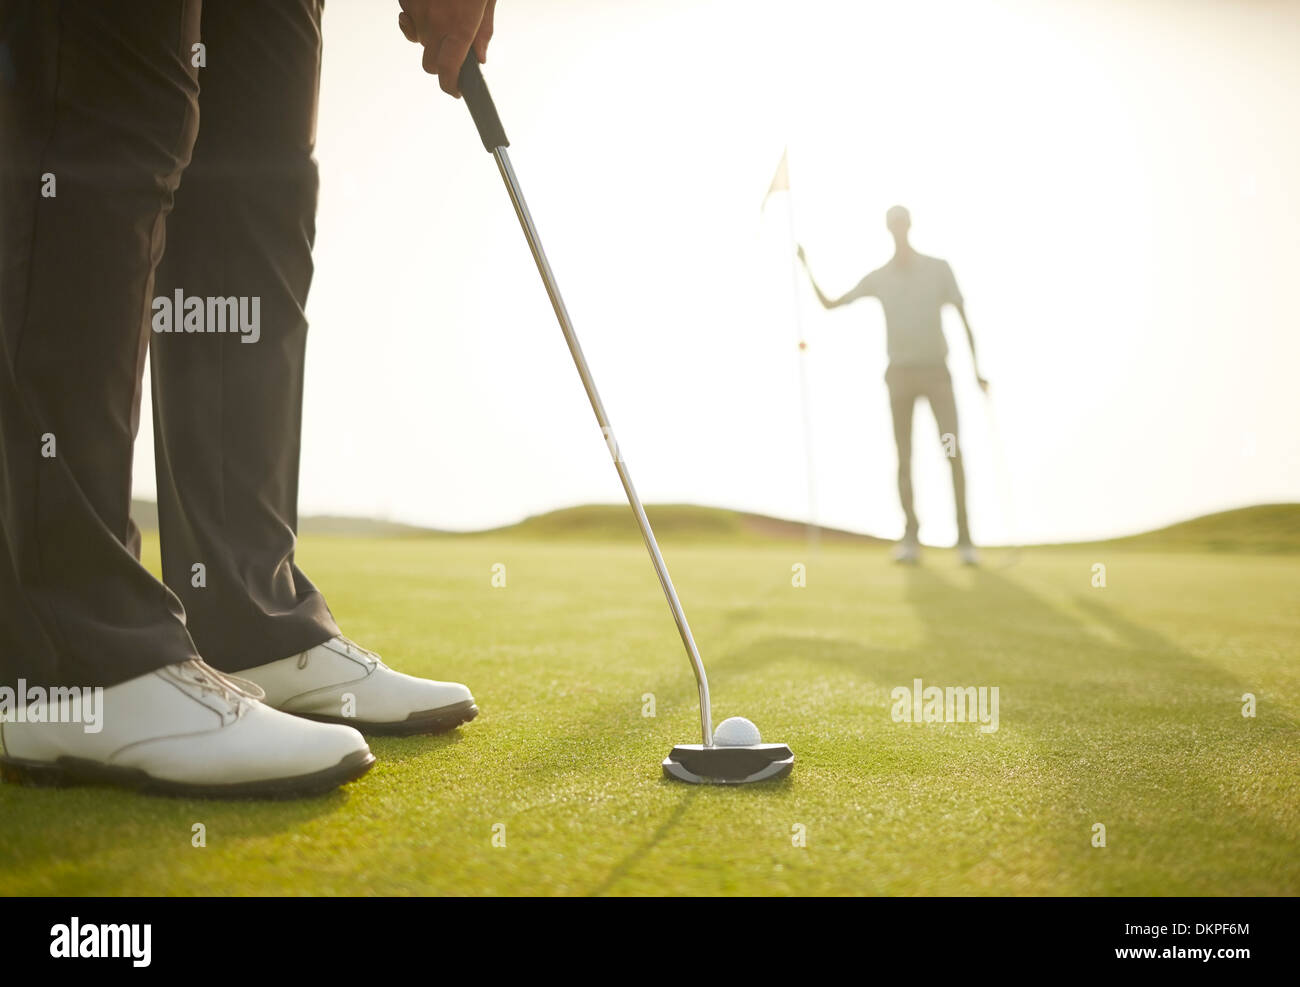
{"type": "Point", "coordinates": [589, 384]}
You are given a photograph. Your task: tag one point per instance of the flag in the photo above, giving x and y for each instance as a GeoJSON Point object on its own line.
{"type": "Point", "coordinates": [781, 180]}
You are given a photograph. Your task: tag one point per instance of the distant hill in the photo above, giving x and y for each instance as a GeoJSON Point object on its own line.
{"type": "Point", "coordinates": [1267, 528]}
{"type": "Point", "coordinates": [145, 513]}
{"type": "Point", "coordinates": [612, 521]}
{"type": "Point", "coordinates": [595, 522]}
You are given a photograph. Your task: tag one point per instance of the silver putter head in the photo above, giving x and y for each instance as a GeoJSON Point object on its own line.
{"type": "Point", "coordinates": [702, 765]}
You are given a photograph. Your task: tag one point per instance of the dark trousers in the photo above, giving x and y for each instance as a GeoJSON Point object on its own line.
{"type": "Point", "coordinates": [906, 384]}
{"type": "Point", "coordinates": [166, 177]}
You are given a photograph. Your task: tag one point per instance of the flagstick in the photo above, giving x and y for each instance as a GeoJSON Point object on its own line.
{"type": "Point", "coordinates": [814, 530]}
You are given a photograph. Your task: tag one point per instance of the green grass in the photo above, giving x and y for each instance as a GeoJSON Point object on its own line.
{"type": "Point", "coordinates": [1119, 705]}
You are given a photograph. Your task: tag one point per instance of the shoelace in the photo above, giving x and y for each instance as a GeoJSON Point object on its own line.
{"type": "Point", "coordinates": [231, 688]}
{"type": "Point", "coordinates": [350, 645]}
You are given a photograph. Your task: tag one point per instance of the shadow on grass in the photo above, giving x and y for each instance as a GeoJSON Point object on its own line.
{"type": "Point", "coordinates": [1133, 715]}
{"type": "Point", "coordinates": [399, 750]}
{"type": "Point", "coordinates": [624, 866]}
{"type": "Point", "coordinates": [689, 795]}
{"type": "Point", "coordinates": [1112, 720]}
{"type": "Point", "coordinates": [44, 827]}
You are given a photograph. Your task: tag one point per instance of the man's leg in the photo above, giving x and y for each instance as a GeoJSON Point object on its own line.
{"type": "Point", "coordinates": [98, 116]}
{"type": "Point", "coordinates": [228, 410]}
{"type": "Point", "coordinates": [902, 399]}
{"type": "Point", "coordinates": [944, 406]}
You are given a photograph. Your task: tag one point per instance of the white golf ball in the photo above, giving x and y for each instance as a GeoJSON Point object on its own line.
{"type": "Point", "coordinates": [736, 731]}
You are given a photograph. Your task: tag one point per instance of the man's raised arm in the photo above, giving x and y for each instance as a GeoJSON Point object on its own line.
{"type": "Point", "coordinates": [862, 290]}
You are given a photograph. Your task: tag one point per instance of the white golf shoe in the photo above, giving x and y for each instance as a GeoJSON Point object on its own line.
{"type": "Point", "coordinates": [342, 682]}
{"type": "Point", "coordinates": [907, 552]}
{"type": "Point", "coordinates": [184, 729]}
{"type": "Point", "coordinates": [968, 554]}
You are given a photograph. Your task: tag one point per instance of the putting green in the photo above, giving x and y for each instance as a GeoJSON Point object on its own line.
{"type": "Point", "coordinates": [1119, 705]}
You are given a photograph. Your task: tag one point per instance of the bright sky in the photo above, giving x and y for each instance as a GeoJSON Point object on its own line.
{"type": "Point", "coordinates": [1114, 184]}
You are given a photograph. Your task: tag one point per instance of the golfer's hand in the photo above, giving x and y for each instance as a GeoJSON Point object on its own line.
{"type": "Point", "coordinates": [984, 384]}
{"type": "Point", "coordinates": [447, 29]}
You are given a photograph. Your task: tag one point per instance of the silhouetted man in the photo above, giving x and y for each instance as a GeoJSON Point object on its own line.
{"type": "Point", "coordinates": [913, 289]}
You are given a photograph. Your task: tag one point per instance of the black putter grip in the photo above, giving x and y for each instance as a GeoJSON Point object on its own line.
{"type": "Point", "coordinates": [480, 104]}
